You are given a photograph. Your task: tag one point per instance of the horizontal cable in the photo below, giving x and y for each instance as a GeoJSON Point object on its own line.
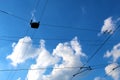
{"type": "Point", "coordinates": [20, 18]}
{"type": "Point", "coordinates": [24, 69]}
{"type": "Point", "coordinates": [71, 27]}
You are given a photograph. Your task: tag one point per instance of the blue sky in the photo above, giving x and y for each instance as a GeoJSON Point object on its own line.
{"type": "Point", "coordinates": [70, 33]}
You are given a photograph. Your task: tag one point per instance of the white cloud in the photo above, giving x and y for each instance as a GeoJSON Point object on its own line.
{"type": "Point", "coordinates": [43, 61]}
{"type": "Point", "coordinates": [113, 70]}
{"type": "Point", "coordinates": [99, 78]}
{"type": "Point", "coordinates": [109, 25]}
{"type": "Point", "coordinates": [66, 54]}
{"type": "Point", "coordinates": [22, 51]}
{"type": "Point", "coordinates": [114, 53]}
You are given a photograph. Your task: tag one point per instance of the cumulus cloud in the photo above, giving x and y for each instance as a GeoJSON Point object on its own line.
{"type": "Point", "coordinates": [65, 55]}
{"type": "Point", "coordinates": [99, 78]}
{"type": "Point", "coordinates": [113, 70]}
{"type": "Point", "coordinates": [109, 25]}
{"type": "Point", "coordinates": [114, 53]}
{"type": "Point", "coordinates": [68, 54]}
{"type": "Point", "coordinates": [43, 61]}
{"type": "Point", "coordinates": [22, 51]}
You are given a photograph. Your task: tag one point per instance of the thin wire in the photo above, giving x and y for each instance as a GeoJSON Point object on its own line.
{"type": "Point", "coordinates": [10, 74]}
{"type": "Point", "coordinates": [7, 70]}
{"type": "Point", "coordinates": [57, 26]}
{"type": "Point", "coordinates": [101, 46]}
{"type": "Point", "coordinates": [111, 71]}
{"type": "Point", "coordinates": [89, 68]}
{"type": "Point", "coordinates": [44, 8]}
{"type": "Point", "coordinates": [5, 37]}
{"type": "Point", "coordinates": [47, 39]}
{"type": "Point", "coordinates": [98, 49]}
{"type": "Point", "coordinates": [35, 9]}
{"type": "Point", "coordinates": [25, 33]}
{"type": "Point", "coordinates": [24, 69]}
{"type": "Point", "coordinates": [13, 39]}
{"type": "Point", "coordinates": [84, 69]}
{"type": "Point", "coordinates": [69, 27]}
{"type": "Point", "coordinates": [20, 18]}
{"type": "Point", "coordinates": [37, 4]}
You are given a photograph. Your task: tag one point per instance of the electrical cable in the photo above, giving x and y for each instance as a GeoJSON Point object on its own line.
{"type": "Point", "coordinates": [44, 8]}
{"type": "Point", "coordinates": [111, 71]}
{"type": "Point", "coordinates": [23, 40]}
{"type": "Point", "coordinates": [100, 47]}
{"type": "Point", "coordinates": [5, 37]}
{"type": "Point", "coordinates": [70, 27]}
{"type": "Point", "coordinates": [74, 67]}
{"type": "Point", "coordinates": [88, 68]}
{"type": "Point", "coordinates": [56, 26]}
{"type": "Point", "coordinates": [41, 18]}
{"type": "Point", "coordinates": [10, 74]}
{"type": "Point", "coordinates": [37, 4]}
{"type": "Point", "coordinates": [15, 16]}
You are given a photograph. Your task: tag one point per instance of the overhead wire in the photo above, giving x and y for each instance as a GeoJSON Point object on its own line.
{"type": "Point", "coordinates": [113, 69]}
{"type": "Point", "coordinates": [10, 74]}
{"type": "Point", "coordinates": [44, 8]}
{"type": "Point", "coordinates": [71, 27]}
{"type": "Point", "coordinates": [25, 33]}
{"type": "Point", "coordinates": [40, 68]}
{"type": "Point", "coordinates": [76, 28]}
{"type": "Point", "coordinates": [89, 68]}
{"type": "Point", "coordinates": [99, 48]}
{"type": "Point", "coordinates": [24, 69]}
{"type": "Point", "coordinates": [13, 39]}
{"type": "Point", "coordinates": [31, 36]}
{"type": "Point", "coordinates": [104, 42]}
{"type": "Point", "coordinates": [37, 4]}
{"type": "Point", "coordinates": [20, 18]}
{"type": "Point", "coordinates": [56, 26]}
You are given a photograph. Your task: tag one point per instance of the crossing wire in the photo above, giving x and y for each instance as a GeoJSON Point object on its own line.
{"type": "Point", "coordinates": [51, 25]}
{"type": "Point", "coordinates": [10, 74]}
{"type": "Point", "coordinates": [33, 33]}
{"type": "Point", "coordinates": [100, 47]}
{"type": "Point", "coordinates": [92, 54]}
{"type": "Point", "coordinates": [40, 68]}
{"type": "Point", "coordinates": [89, 68]}
{"type": "Point", "coordinates": [25, 34]}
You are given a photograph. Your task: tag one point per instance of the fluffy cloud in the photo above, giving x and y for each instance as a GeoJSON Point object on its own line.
{"type": "Point", "coordinates": [68, 54]}
{"type": "Point", "coordinates": [65, 55]}
{"type": "Point", "coordinates": [43, 61]}
{"type": "Point", "coordinates": [113, 70]}
{"type": "Point", "coordinates": [114, 53]}
{"type": "Point", "coordinates": [22, 51]}
{"type": "Point", "coordinates": [99, 78]}
{"type": "Point", "coordinates": [109, 25]}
